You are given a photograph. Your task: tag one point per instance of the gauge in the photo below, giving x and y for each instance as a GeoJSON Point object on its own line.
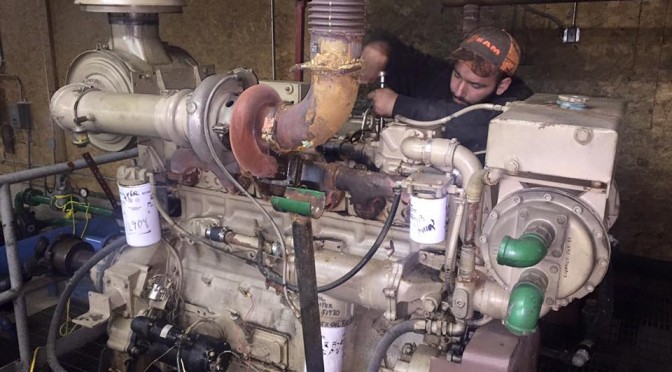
{"type": "Point", "coordinates": [84, 192]}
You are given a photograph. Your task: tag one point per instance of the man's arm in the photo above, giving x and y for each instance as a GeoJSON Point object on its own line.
{"type": "Point", "coordinates": [407, 70]}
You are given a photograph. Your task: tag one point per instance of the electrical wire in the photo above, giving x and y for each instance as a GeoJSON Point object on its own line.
{"type": "Point", "coordinates": [272, 276]}
{"type": "Point", "coordinates": [157, 359]}
{"type": "Point", "coordinates": [18, 82]}
{"type": "Point", "coordinates": [543, 14]}
{"type": "Point", "coordinates": [83, 271]}
{"type": "Point", "coordinates": [65, 329]}
{"type": "Point", "coordinates": [32, 363]}
{"type": "Point", "coordinates": [240, 188]}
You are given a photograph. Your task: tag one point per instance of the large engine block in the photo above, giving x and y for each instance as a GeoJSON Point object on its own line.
{"type": "Point", "coordinates": [466, 255]}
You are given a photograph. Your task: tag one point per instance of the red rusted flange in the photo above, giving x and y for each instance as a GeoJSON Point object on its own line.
{"type": "Point", "coordinates": [253, 108]}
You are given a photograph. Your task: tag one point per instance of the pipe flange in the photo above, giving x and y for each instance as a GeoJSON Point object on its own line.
{"type": "Point", "coordinates": [252, 116]}
{"type": "Point", "coordinates": [213, 99]}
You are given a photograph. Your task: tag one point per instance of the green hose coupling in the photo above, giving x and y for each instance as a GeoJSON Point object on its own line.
{"type": "Point", "coordinates": [304, 202]}
{"type": "Point", "coordinates": [529, 249]}
{"type": "Point", "coordinates": [527, 297]}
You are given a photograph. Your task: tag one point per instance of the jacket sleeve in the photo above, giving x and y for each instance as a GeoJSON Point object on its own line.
{"type": "Point", "coordinates": [411, 72]}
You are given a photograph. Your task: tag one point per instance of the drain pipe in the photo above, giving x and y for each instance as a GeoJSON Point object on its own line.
{"type": "Point", "coordinates": [261, 123]}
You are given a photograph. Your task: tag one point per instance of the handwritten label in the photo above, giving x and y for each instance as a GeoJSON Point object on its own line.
{"type": "Point", "coordinates": [141, 218]}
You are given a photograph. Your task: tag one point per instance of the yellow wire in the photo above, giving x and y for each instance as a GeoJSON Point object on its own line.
{"type": "Point", "coordinates": [32, 364]}
{"type": "Point", "coordinates": [86, 224]}
{"type": "Point", "coordinates": [64, 332]}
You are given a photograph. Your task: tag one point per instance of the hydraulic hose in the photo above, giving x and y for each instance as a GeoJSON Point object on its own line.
{"type": "Point", "coordinates": [388, 338]}
{"type": "Point", "coordinates": [444, 120]}
{"type": "Point", "coordinates": [274, 277]}
{"type": "Point", "coordinates": [111, 247]}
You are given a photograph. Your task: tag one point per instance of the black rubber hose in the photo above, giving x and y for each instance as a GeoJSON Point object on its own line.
{"type": "Point", "coordinates": [111, 247]}
{"type": "Point", "coordinates": [386, 341]}
{"type": "Point", "coordinates": [276, 278]}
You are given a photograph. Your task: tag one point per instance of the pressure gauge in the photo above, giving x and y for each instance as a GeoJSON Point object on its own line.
{"type": "Point", "coordinates": [84, 192]}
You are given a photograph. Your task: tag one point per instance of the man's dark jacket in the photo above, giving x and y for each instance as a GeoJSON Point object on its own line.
{"type": "Point", "coordinates": [423, 85]}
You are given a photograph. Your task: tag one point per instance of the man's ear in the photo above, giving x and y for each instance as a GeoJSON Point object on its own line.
{"type": "Point", "coordinates": [503, 85]}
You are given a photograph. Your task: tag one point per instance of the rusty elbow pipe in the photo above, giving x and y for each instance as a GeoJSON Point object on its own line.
{"type": "Point", "coordinates": [261, 124]}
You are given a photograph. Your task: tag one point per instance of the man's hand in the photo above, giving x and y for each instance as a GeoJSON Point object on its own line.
{"type": "Point", "coordinates": [374, 57]}
{"type": "Point", "coordinates": [383, 101]}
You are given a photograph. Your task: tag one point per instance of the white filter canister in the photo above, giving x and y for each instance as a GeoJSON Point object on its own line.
{"type": "Point", "coordinates": [141, 218]}
{"type": "Point", "coordinates": [428, 219]}
{"type": "Point", "coordinates": [333, 347]}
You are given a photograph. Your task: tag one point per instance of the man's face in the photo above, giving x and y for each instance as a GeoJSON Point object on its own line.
{"type": "Point", "coordinates": [469, 88]}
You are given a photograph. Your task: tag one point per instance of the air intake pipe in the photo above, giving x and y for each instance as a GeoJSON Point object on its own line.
{"type": "Point", "coordinates": [261, 123]}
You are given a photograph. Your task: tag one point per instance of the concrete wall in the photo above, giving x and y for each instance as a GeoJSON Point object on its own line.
{"type": "Point", "coordinates": [625, 52]}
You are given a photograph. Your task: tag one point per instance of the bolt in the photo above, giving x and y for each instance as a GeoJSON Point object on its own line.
{"type": "Point", "coordinates": [549, 301]}
{"type": "Point", "coordinates": [423, 256]}
{"type": "Point", "coordinates": [599, 234]}
{"type": "Point", "coordinates": [512, 166]}
{"type": "Point", "coordinates": [596, 184]}
{"type": "Point", "coordinates": [563, 302]}
{"type": "Point", "coordinates": [516, 199]}
{"type": "Point", "coordinates": [459, 303]}
{"type": "Point", "coordinates": [561, 220]}
{"type": "Point", "coordinates": [494, 215]}
{"type": "Point", "coordinates": [548, 197]}
{"type": "Point", "coordinates": [590, 288]}
{"type": "Point", "coordinates": [577, 210]}
{"type": "Point", "coordinates": [523, 213]}
{"type": "Point", "coordinates": [554, 269]}
{"type": "Point", "coordinates": [603, 263]}
{"type": "Point", "coordinates": [483, 239]}
{"type": "Point", "coordinates": [191, 107]}
{"type": "Point", "coordinates": [556, 253]}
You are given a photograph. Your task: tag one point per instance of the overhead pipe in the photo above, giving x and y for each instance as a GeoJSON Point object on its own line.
{"type": "Point", "coordinates": [461, 3]}
{"type": "Point", "coordinates": [261, 123]}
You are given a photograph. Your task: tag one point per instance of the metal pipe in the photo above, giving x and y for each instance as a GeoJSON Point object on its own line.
{"type": "Point", "coordinates": [442, 152]}
{"type": "Point", "coordinates": [16, 279]}
{"type": "Point", "coordinates": [138, 35]}
{"type": "Point", "coordinates": [298, 37]}
{"type": "Point", "coordinates": [50, 170]}
{"type": "Point", "coordinates": [79, 107]}
{"type": "Point", "coordinates": [453, 232]}
{"type": "Point", "coordinates": [304, 250]}
{"type": "Point", "coordinates": [461, 3]}
{"type": "Point", "coordinates": [260, 122]}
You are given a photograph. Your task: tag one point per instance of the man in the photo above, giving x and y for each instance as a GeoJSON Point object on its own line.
{"type": "Point", "coordinates": [423, 87]}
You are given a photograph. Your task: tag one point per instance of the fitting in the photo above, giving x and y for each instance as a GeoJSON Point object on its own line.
{"type": "Point", "coordinates": [527, 296]}
{"type": "Point", "coordinates": [529, 249]}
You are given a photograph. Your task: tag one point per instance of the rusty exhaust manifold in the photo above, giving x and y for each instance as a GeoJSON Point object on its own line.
{"type": "Point", "coordinates": [261, 124]}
